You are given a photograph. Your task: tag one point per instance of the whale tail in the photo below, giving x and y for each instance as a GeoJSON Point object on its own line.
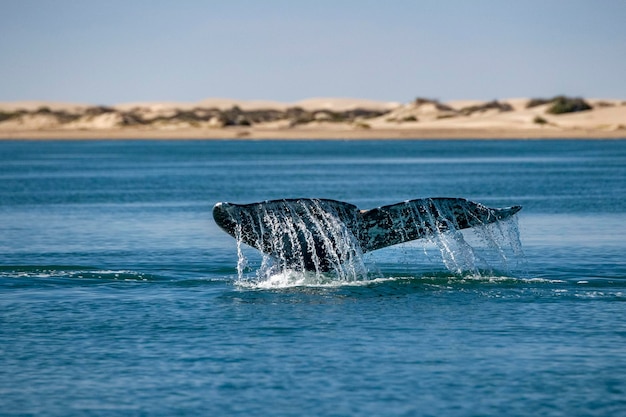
{"type": "Point", "coordinates": [417, 219]}
{"type": "Point", "coordinates": [322, 234]}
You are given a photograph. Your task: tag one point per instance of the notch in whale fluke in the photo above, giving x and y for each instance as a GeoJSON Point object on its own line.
{"type": "Point", "coordinates": [314, 234]}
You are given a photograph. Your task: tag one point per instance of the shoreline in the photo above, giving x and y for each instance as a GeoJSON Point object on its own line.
{"type": "Point", "coordinates": [238, 133]}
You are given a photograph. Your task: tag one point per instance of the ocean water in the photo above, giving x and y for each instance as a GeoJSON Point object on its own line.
{"type": "Point", "coordinates": [119, 295]}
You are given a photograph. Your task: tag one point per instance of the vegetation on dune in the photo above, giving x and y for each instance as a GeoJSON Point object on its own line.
{"type": "Point", "coordinates": [98, 110]}
{"type": "Point", "coordinates": [534, 102]}
{"type": "Point", "coordinates": [491, 105]}
{"type": "Point", "coordinates": [560, 104]}
{"type": "Point", "coordinates": [130, 119]}
{"type": "Point", "coordinates": [8, 115]}
{"type": "Point", "coordinates": [61, 116]}
{"type": "Point", "coordinates": [436, 103]}
{"type": "Point", "coordinates": [421, 109]}
{"type": "Point", "coordinates": [564, 104]}
{"type": "Point", "coordinates": [43, 110]}
{"type": "Point", "coordinates": [298, 116]}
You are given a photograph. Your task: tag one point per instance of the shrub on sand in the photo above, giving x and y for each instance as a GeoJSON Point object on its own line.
{"type": "Point", "coordinates": [7, 116]}
{"type": "Point", "coordinates": [560, 104]}
{"type": "Point", "coordinates": [563, 104]}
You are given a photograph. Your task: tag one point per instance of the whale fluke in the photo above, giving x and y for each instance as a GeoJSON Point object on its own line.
{"type": "Point", "coordinates": [319, 234]}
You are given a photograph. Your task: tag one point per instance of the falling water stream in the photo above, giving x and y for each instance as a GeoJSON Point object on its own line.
{"type": "Point", "coordinates": [294, 234]}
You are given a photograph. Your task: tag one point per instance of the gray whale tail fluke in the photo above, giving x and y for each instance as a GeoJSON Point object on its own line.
{"type": "Point", "coordinates": [321, 234]}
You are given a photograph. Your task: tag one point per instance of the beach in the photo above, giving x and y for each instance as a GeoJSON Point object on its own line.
{"type": "Point", "coordinates": [320, 118]}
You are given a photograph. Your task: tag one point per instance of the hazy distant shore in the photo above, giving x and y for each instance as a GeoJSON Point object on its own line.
{"type": "Point", "coordinates": [327, 118]}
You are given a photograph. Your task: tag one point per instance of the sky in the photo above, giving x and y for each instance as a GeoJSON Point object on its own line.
{"type": "Point", "coordinates": [117, 51]}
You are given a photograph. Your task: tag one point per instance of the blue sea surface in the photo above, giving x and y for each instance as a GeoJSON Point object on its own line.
{"type": "Point", "coordinates": [119, 295]}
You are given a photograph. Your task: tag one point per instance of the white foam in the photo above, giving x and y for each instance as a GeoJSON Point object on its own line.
{"type": "Point", "coordinates": [295, 279]}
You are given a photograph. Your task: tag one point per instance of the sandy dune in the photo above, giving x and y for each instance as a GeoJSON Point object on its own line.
{"type": "Point", "coordinates": [323, 118]}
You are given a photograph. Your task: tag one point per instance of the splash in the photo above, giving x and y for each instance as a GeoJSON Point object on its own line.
{"type": "Point", "coordinates": [483, 251]}
{"type": "Point", "coordinates": [305, 243]}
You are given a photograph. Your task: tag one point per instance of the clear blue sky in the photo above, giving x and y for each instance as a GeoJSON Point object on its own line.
{"type": "Point", "coordinates": [107, 52]}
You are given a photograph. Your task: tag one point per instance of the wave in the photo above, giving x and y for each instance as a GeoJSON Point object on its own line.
{"type": "Point", "coordinates": [297, 287]}
{"type": "Point", "coordinates": [24, 276]}
{"type": "Point", "coordinates": [286, 279]}
{"type": "Point", "coordinates": [72, 272]}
